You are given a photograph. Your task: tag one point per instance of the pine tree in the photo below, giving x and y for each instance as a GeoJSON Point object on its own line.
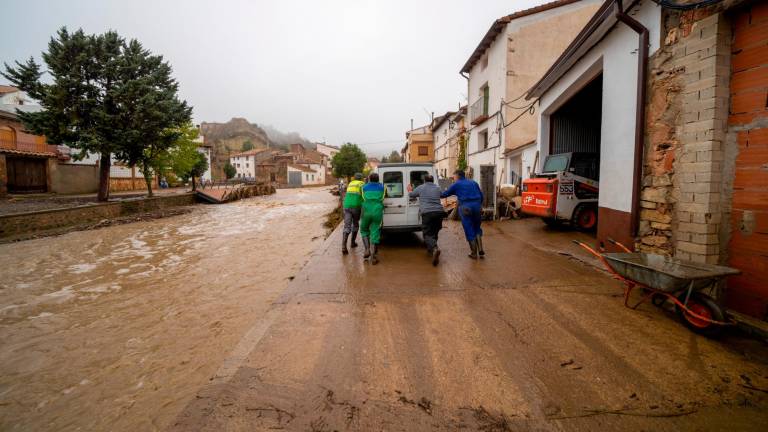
{"type": "Point", "coordinates": [105, 97]}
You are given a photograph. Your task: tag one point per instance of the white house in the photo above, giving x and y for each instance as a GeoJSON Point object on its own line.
{"type": "Point", "coordinates": [245, 163]}
{"type": "Point", "coordinates": [301, 175]}
{"type": "Point", "coordinates": [513, 54]}
{"type": "Point", "coordinates": [205, 150]}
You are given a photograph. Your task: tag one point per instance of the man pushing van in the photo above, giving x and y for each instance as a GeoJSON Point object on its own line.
{"type": "Point", "coordinates": [353, 201]}
{"type": "Point", "coordinates": [372, 214]}
{"type": "Point", "coordinates": [470, 209]}
{"type": "Point", "coordinates": [432, 214]}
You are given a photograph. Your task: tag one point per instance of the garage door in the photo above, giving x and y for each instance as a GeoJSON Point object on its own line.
{"type": "Point", "coordinates": [26, 175]}
{"type": "Point", "coordinates": [748, 247]}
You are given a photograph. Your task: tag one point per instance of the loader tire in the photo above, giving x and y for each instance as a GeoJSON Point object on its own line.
{"type": "Point", "coordinates": [585, 217]}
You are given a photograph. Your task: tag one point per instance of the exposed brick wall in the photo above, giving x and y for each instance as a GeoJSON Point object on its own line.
{"type": "Point", "coordinates": [687, 118]}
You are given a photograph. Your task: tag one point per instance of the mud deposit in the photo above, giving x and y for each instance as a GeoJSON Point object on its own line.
{"type": "Point", "coordinates": [115, 329]}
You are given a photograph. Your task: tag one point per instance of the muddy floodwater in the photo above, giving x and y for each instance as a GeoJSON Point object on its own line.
{"type": "Point", "coordinates": [115, 329]}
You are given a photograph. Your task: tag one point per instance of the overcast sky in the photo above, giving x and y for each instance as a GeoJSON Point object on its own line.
{"type": "Point", "coordinates": [338, 70]}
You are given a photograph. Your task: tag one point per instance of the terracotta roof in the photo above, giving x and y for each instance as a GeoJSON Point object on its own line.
{"type": "Point", "coordinates": [301, 168]}
{"type": "Point", "coordinates": [249, 152]}
{"type": "Point", "coordinates": [498, 26]}
{"type": "Point", "coordinates": [7, 89]}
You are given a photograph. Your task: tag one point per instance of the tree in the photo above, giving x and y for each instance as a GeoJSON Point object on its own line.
{"type": "Point", "coordinates": [101, 94]}
{"type": "Point", "coordinates": [157, 118]}
{"type": "Point", "coordinates": [80, 107]}
{"type": "Point", "coordinates": [461, 162]}
{"type": "Point", "coordinates": [198, 168]}
{"type": "Point", "coordinates": [183, 156]}
{"type": "Point", "coordinates": [229, 170]}
{"type": "Point", "coordinates": [248, 145]}
{"type": "Point", "coordinates": [392, 158]}
{"type": "Point", "coordinates": [348, 161]}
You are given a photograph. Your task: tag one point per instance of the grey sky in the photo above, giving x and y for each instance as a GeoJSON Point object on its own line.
{"type": "Point", "coordinates": [339, 70]}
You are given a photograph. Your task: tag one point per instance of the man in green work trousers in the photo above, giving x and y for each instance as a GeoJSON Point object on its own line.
{"type": "Point", "coordinates": [353, 200]}
{"type": "Point", "coordinates": [370, 221]}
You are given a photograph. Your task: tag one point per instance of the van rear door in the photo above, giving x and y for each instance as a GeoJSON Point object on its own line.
{"type": "Point", "coordinates": [395, 200]}
{"type": "Point", "coordinates": [416, 178]}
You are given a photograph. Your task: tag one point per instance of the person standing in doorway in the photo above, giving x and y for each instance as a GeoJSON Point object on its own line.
{"type": "Point", "coordinates": [353, 202]}
{"type": "Point", "coordinates": [470, 209]}
{"type": "Point", "coordinates": [370, 221]}
{"type": "Point", "coordinates": [432, 214]}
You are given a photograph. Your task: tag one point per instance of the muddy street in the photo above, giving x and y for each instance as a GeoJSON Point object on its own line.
{"type": "Point", "coordinates": [527, 339]}
{"type": "Point", "coordinates": [117, 328]}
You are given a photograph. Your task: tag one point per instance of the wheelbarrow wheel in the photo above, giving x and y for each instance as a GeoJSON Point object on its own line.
{"type": "Point", "coordinates": [705, 306]}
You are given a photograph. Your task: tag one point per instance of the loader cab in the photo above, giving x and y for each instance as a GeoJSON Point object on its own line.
{"type": "Point", "coordinates": [400, 212]}
{"type": "Point", "coordinates": [582, 164]}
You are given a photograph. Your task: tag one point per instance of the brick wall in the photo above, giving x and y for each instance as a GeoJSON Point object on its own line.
{"type": "Point", "coordinates": [687, 120]}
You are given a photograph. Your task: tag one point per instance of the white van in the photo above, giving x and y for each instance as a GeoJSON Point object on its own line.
{"type": "Point", "coordinates": [400, 212]}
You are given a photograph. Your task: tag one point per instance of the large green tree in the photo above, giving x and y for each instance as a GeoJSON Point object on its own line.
{"type": "Point", "coordinates": [105, 96]}
{"type": "Point", "coordinates": [229, 170]}
{"type": "Point", "coordinates": [348, 161]}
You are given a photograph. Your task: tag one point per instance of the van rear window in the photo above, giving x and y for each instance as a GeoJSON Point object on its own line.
{"type": "Point", "coordinates": [417, 178]}
{"type": "Point", "coordinates": [393, 183]}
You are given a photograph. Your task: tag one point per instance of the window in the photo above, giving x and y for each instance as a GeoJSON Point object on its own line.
{"type": "Point", "coordinates": [246, 165]}
{"type": "Point", "coordinates": [393, 184]}
{"type": "Point", "coordinates": [484, 62]}
{"type": "Point", "coordinates": [417, 178]}
{"type": "Point", "coordinates": [272, 177]}
{"type": "Point", "coordinates": [555, 163]}
{"type": "Point", "coordinates": [482, 140]}
{"type": "Point", "coordinates": [485, 92]}
{"type": "Point", "coordinates": [423, 151]}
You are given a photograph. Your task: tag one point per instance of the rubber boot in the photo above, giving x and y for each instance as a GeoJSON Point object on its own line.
{"type": "Point", "coordinates": [375, 255]}
{"type": "Point", "coordinates": [435, 256]}
{"type": "Point", "coordinates": [367, 245]}
{"type": "Point", "coordinates": [473, 247]}
{"type": "Point", "coordinates": [354, 237]}
{"type": "Point", "coordinates": [344, 244]}
{"type": "Point", "coordinates": [480, 251]}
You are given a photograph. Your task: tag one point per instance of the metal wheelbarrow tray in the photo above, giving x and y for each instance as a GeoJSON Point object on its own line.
{"type": "Point", "coordinates": [666, 274]}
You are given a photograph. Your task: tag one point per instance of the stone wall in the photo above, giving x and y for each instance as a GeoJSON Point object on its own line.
{"type": "Point", "coordinates": [21, 224]}
{"type": "Point", "coordinates": [73, 178]}
{"type": "Point", "coordinates": [687, 115]}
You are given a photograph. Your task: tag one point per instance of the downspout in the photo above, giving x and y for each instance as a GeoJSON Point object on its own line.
{"type": "Point", "coordinates": [642, 76]}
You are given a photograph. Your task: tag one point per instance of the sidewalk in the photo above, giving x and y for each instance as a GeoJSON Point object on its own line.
{"type": "Point", "coordinates": [527, 339]}
{"type": "Point", "coordinates": [22, 203]}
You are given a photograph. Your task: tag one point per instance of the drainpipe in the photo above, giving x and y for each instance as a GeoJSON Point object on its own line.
{"type": "Point", "coordinates": [642, 76]}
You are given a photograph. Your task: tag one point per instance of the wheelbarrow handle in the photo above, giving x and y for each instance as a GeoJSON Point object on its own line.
{"type": "Point", "coordinates": [589, 249]}
{"type": "Point", "coordinates": [615, 243]}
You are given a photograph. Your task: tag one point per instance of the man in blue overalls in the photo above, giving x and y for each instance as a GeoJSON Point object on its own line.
{"type": "Point", "coordinates": [470, 209]}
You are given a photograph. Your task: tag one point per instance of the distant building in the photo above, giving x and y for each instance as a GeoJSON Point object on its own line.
{"type": "Point", "coordinates": [327, 149]}
{"type": "Point", "coordinates": [372, 163]}
{"type": "Point", "coordinates": [206, 150]}
{"type": "Point", "coordinates": [448, 131]}
{"type": "Point", "coordinates": [245, 163]}
{"type": "Point", "coordinates": [419, 146]}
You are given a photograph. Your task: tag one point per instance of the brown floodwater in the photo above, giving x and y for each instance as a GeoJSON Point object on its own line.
{"type": "Point", "coordinates": [115, 329]}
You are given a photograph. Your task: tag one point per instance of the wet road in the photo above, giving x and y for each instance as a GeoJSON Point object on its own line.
{"type": "Point", "coordinates": [528, 339]}
{"type": "Point", "coordinates": [115, 329]}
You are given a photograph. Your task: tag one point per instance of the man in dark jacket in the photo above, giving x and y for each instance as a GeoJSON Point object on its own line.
{"type": "Point", "coordinates": [432, 214]}
{"type": "Point", "coordinates": [470, 209]}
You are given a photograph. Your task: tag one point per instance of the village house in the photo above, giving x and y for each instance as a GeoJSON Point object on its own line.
{"type": "Point", "coordinates": [28, 163]}
{"type": "Point", "coordinates": [206, 150]}
{"type": "Point", "coordinates": [372, 163]}
{"type": "Point", "coordinates": [448, 132]}
{"type": "Point", "coordinates": [299, 167]}
{"type": "Point", "coordinates": [419, 146]}
{"type": "Point", "coordinates": [513, 54]}
{"type": "Point", "coordinates": [245, 163]}
{"type": "Point", "coordinates": [674, 103]}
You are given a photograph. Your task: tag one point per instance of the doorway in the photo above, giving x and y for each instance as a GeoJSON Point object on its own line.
{"type": "Point", "coordinates": [27, 175]}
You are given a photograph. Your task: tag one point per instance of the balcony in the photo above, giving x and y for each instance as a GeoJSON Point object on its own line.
{"type": "Point", "coordinates": [478, 111]}
{"type": "Point", "coordinates": [36, 146]}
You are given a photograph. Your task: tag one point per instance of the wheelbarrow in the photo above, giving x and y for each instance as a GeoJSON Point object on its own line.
{"type": "Point", "coordinates": [668, 279]}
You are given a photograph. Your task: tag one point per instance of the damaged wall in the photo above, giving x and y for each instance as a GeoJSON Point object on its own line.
{"type": "Point", "coordinates": [686, 124]}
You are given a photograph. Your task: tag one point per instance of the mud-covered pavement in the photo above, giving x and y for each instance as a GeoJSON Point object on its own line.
{"type": "Point", "coordinates": [527, 339]}
{"type": "Point", "coordinates": [115, 329]}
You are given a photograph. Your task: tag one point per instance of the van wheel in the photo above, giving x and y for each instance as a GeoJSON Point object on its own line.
{"type": "Point", "coordinates": [585, 218]}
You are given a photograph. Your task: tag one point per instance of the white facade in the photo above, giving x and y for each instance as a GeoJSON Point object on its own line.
{"type": "Point", "coordinates": [327, 150]}
{"type": "Point", "coordinates": [440, 136]}
{"type": "Point", "coordinates": [309, 177]}
{"type": "Point", "coordinates": [520, 163]}
{"type": "Point", "coordinates": [245, 165]}
{"type": "Point", "coordinates": [616, 58]}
